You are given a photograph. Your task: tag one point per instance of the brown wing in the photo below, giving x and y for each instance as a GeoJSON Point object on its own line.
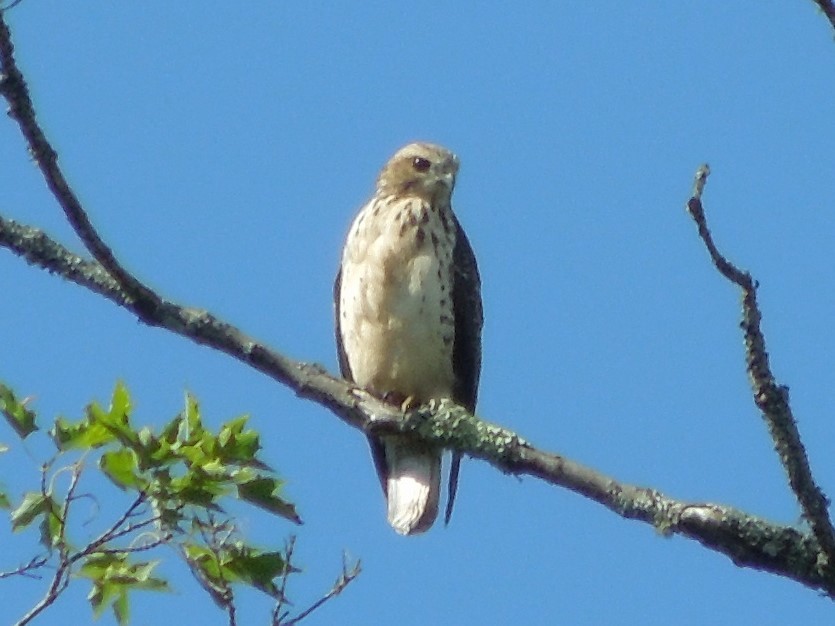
{"type": "Point", "coordinates": [469, 318]}
{"type": "Point", "coordinates": [466, 353]}
{"type": "Point", "coordinates": [344, 366]}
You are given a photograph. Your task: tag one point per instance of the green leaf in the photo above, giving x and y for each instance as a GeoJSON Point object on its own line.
{"type": "Point", "coordinates": [121, 608]}
{"type": "Point", "coordinates": [113, 576]}
{"type": "Point", "coordinates": [100, 596]}
{"type": "Point", "coordinates": [263, 492]}
{"type": "Point", "coordinates": [117, 418]}
{"type": "Point", "coordinates": [5, 503]}
{"type": "Point", "coordinates": [120, 467]}
{"type": "Point", "coordinates": [98, 427]}
{"type": "Point", "coordinates": [21, 419]}
{"type": "Point", "coordinates": [245, 564]}
{"type": "Point", "coordinates": [237, 563]}
{"type": "Point", "coordinates": [172, 429]}
{"type": "Point", "coordinates": [34, 504]}
{"type": "Point", "coordinates": [84, 434]}
{"type": "Point", "coordinates": [204, 559]}
{"type": "Point", "coordinates": [50, 527]}
{"type": "Point", "coordinates": [238, 445]}
{"type": "Point", "coordinates": [142, 575]}
{"type": "Point", "coordinates": [151, 451]}
{"type": "Point", "coordinates": [191, 426]}
{"type": "Point", "coordinates": [120, 405]}
{"type": "Point", "coordinates": [206, 568]}
{"type": "Point", "coordinates": [198, 488]}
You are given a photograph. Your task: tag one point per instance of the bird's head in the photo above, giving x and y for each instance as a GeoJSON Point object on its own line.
{"type": "Point", "coordinates": [420, 169]}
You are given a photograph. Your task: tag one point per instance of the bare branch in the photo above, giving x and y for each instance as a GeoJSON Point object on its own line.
{"type": "Point", "coordinates": [118, 529]}
{"type": "Point", "coordinates": [749, 541]}
{"type": "Point", "coordinates": [278, 613]}
{"type": "Point", "coordinates": [14, 90]}
{"type": "Point", "coordinates": [348, 575]}
{"type": "Point", "coordinates": [61, 578]}
{"type": "Point", "coordinates": [11, 5]}
{"type": "Point", "coordinates": [771, 397]}
{"type": "Point", "coordinates": [66, 558]}
{"type": "Point", "coordinates": [59, 582]}
{"type": "Point", "coordinates": [36, 248]}
{"type": "Point", "coordinates": [26, 569]}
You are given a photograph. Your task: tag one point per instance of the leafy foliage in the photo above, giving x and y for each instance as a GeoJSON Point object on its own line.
{"type": "Point", "coordinates": [19, 417]}
{"type": "Point", "coordinates": [180, 477]}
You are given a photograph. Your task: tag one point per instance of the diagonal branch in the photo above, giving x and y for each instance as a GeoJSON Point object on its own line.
{"type": "Point", "coordinates": [771, 398]}
{"type": "Point", "coordinates": [749, 541]}
{"type": "Point", "coordinates": [14, 90]}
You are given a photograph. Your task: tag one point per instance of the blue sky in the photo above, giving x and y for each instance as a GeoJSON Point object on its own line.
{"type": "Point", "coordinates": [223, 149]}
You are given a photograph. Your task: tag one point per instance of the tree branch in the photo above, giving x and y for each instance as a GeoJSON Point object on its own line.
{"type": "Point", "coordinates": [749, 541]}
{"type": "Point", "coordinates": [771, 398]}
{"type": "Point", "coordinates": [61, 578]}
{"type": "Point", "coordinates": [34, 563]}
{"type": "Point", "coordinates": [14, 90]}
{"type": "Point", "coordinates": [348, 575]}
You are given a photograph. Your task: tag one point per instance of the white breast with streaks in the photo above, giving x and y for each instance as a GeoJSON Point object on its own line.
{"type": "Point", "coordinates": [397, 319]}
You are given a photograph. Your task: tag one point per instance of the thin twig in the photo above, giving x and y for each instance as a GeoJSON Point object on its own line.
{"type": "Point", "coordinates": [749, 541]}
{"type": "Point", "coordinates": [11, 5]}
{"type": "Point", "coordinates": [220, 591]}
{"type": "Point", "coordinates": [14, 90]}
{"type": "Point", "coordinates": [26, 569]}
{"type": "Point", "coordinates": [66, 559]}
{"type": "Point", "coordinates": [77, 468]}
{"type": "Point", "coordinates": [771, 397]}
{"type": "Point", "coordinates": [61, 578]}
{"type": "Point", "coordinates": [115, 531]}
{"type": "Point", "coordinates": [278, 615]}
{"type": "Point", "coordinates": [231, 612]}
{"type": "Point", "coordinates": [154, 543]}
{"type": "Point", "coordinates": [345, 578]}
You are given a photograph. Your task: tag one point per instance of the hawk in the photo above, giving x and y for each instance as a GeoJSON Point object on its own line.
{"type": "Point", "coordinates": [409, 318]}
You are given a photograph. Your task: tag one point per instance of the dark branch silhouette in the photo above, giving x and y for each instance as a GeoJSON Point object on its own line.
{"type": "Point", "coordinates": [21, 109]}
{"type": "Point", "coordinates": [748, 540]}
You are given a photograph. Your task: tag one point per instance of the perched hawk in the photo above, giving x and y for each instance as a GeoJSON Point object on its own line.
{"type": "Point", "coordinates": [409, 317]}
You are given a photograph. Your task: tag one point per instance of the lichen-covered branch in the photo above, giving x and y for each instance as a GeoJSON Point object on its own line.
{"type": "Point", "coordinates": [749, 541]}
{"type": "Point", "coordinates": [14, 90]}
{"type": "Point", "coordinates": [771, 397]}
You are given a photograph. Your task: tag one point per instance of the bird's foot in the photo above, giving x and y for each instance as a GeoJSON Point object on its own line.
{"type": "Point", "coordinates": [406, 403]}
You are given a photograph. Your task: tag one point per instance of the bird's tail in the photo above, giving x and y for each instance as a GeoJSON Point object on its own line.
{"type": "Point", "coordinates": [413, 486]}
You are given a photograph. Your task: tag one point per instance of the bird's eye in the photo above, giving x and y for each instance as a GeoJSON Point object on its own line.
{"type": "Point", "coordinates": [420, 164]}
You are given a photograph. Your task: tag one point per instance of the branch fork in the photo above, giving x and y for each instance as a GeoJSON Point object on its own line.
{"type": "Point", "coordinates": [750, 541]}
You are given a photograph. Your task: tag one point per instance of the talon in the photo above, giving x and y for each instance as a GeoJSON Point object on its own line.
{"type": "Point", "coordinates": [393, 397]}
{"type": "Point", "coordinates": [408, 404]}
